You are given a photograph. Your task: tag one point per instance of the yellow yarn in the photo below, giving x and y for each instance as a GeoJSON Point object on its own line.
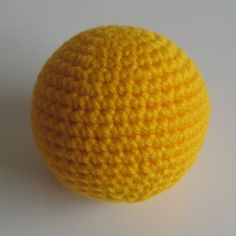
{"type": "Point", "coordinates": [119, 113]}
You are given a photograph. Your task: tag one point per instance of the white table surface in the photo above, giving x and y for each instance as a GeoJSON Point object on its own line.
{"type": "Point", "coordinates": [32, 203]}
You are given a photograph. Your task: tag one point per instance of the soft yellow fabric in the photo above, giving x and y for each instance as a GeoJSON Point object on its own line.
{"type": "Point", "coordinates": [119, 113]}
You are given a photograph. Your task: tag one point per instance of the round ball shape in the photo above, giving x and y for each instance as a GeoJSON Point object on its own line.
{"type": "Point", "coordinates": [119, 113]}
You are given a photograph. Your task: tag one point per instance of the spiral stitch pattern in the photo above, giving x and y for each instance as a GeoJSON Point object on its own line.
{"type": "Point", "coordinates": [119, 113]}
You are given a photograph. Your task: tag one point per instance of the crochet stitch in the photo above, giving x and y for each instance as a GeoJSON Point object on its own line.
{"type": "Point", "coordinates": [119, 113]}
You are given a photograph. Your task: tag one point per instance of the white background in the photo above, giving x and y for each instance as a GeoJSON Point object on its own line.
{"type": "Point", "coordinates": [32, 203]}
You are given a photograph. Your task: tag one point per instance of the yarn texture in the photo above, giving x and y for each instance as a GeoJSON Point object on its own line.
{"type": "Point", "coordinates": [119, 113]}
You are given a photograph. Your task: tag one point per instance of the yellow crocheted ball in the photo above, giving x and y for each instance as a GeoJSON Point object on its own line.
{"type": "Point", "coordinates": [119, 113]}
